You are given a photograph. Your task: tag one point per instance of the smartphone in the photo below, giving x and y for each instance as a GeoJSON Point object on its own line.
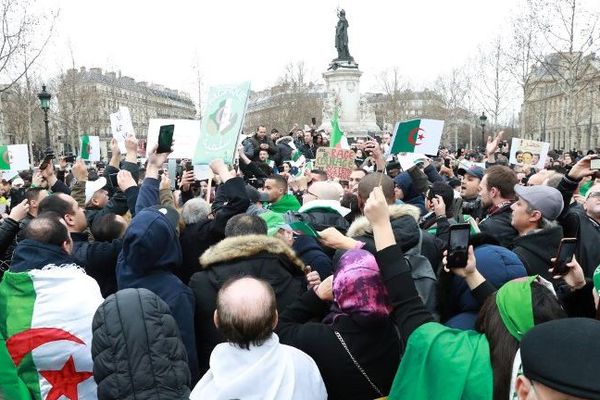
{"type": "Point", "coordinates": [595, 163]}
{"type": "Point", "coordinates": [46, 161]}
{"type": "Point", "coordinates": [165, 138]}
{"type": "Point", "coordinates": [188, 166]}
{"type": "Point", "coordinates": [313, 120]}
{"type": "Point", "coordinates": [427, 221]}
{"type": "Point", "coordinates": [458, 245]}
{"type": "Point", "coordinates": [565, 254]}
{"type": "Point", "coordinates": [112, 180]}
{"type": "Point", "coordinates": [70, 158]}
{"type": "Point", "coordinates": [447, 163]}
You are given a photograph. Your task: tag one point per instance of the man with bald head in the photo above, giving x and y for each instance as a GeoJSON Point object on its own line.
{"type": "Point", "coordinates": [321, 207]}
{"type": "Point", "coordinates": [252, 363]}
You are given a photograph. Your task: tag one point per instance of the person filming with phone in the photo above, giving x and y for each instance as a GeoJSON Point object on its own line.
{"type": "Point", "coordinates": [582, 221]}
{"type": "Point", "coordinates": [533, 216]}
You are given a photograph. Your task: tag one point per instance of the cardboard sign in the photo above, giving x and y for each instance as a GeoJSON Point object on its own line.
{"type": "Point", "coordinates": [185, 136]}
{"type": "Point", "coordinates": [121, 126]}
{"type": "Point", "coordinates": [222, 123]}
{"type": "Point", "coordinates": [529, 153]}
{"type": "Point", "coordinates": [338, 163]}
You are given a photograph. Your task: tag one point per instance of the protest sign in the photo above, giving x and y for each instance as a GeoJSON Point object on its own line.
{"type": "Point", "coordinates": [14, 157]}
{"type": "Point", "coordinates": [409, 160]}
{"type": "Point", "coordinates": [528, 153]}
{"type": "Point", "coordinates": [221, 127]}
{"type": "Point", "coordinates": [185, 136]}
{"type": "Point", "coordinates": [121, 126]}
{"type": "Point", "coordinates": [417, 136]}
{"type": "Point", "coordinates": [338, 163]}
{"type": "Point", "coordinates": [90, 148]}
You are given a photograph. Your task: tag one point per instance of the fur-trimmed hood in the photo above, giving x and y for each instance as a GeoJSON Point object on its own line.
{"type": "Point", "coordinates": [361, 225]}
{"type": "Point", "coordinates": [239, 247]}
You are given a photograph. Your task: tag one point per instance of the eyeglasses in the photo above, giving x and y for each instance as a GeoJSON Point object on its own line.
{"type": "Point", "coordinates": [593, 194]}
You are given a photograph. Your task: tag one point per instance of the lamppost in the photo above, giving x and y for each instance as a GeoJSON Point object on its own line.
{"type": "Point", "coordinates": [45, 105]}
{"type": "Point", "coordinates": [482, 119]}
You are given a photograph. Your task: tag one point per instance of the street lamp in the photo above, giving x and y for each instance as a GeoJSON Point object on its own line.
{"type": "Point", "coordinates": [45, 105]}
{"type": "Point", "coordinates": [482, 119]}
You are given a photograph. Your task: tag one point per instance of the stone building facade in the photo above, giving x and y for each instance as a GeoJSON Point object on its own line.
{"type": "Point", "coordinates": [562, 102]}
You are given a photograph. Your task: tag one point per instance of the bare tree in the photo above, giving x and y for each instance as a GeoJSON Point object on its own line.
{"type": "Point", "coordinates": [394, 104]}
{"type": "Point", "coordinates": [570, 37]}
{"type": "Point", "coordinates": [494, 83]}
{"type": "Point", "coordinates": [23, 37]}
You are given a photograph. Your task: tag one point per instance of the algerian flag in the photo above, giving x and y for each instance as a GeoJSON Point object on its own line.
{"type": "Point", "coordinates": [14, 157]}
{"type": "Point", "coordinates": [417, 136]}
{"type": "Point", "coordinates": [46, 319]}
{"type": "Point", "coordinates": [90, 148]}
{"type": "Point", "coordinates": [338, 139]}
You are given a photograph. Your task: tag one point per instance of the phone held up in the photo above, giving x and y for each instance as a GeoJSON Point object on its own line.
{"type": "Point", "coordinates": [47, 160]}
{"type": "Point", "coordinates": [458, 246]}
{"type": "Point", "coordinates": [595, 164]}
{"type": "Point", "coordinates": [165, 138]}
{"type": "Point", "coordinates": [565, 254]}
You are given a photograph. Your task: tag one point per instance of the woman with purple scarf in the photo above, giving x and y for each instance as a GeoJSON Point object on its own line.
{"type": "Point", "coordinates": [353, 340]}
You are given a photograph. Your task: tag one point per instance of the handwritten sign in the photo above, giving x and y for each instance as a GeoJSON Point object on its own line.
{"type": "Point", "coordinates": [338, 163]}
{"type": "Point", "coordinates": [121, 126]}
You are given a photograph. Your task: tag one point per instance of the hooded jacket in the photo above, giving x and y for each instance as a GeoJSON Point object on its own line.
{"type": "Point", "coordinates": [536, 248]}
{"type": "Point", "coordinates": [259, 256]}
{"type": "Point", "coordinates": [498, 265]}
{"type": "Point", "coordinates": [287, 203]}
{"type": "Point", "coordinates": [137, 349]}
{"type": "Point", "coordinates": [31, 254]}
{"type": "Point", "coordinates": [151, 252]}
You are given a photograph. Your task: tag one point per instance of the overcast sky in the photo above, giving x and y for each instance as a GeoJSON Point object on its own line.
{"type": "Point", "coordinates": [235, 40]}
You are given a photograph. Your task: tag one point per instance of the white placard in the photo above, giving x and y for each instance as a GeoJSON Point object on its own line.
{"type": "Point", "coordinates": [529, 153]}
{"type": "Point", "coordinates": [185, 136]}
{"type": "Point", "coordinates": [409, 160]}
{"type": "Point", "coordinates": [121, 126]}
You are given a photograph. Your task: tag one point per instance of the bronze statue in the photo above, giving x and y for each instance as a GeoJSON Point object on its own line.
{"type": "Point", "coordinates": [341, 37]}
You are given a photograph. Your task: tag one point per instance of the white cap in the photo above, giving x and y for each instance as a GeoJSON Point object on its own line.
{"type": "Point", "coordinates": [92, 187]}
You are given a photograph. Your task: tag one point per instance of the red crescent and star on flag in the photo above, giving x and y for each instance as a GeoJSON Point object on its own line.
{"type": "Point", "coordinates": [64, 381]}
{"type": "Point", "coordinates": [414, 135]}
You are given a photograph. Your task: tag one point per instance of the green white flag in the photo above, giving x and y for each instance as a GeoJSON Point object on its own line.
{"type": "Point", "coordinates": [417, 136]}
{"type": "Point", "coordinates": [338, 139]}
{"type": "Point", "coordinates": [90, 148]}
{"type": "Point", "coordinates": [14, 157]}
{"type": "Point", "coordinates": [221, 127]}
{"type": "Point", "coordinates": [47, 323]}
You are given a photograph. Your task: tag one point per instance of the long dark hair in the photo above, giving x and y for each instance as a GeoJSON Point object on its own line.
{"type": "Point", "coordinates": [503, 346]}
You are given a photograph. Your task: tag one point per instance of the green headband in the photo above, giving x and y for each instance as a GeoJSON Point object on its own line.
{"type": "Point", "coordinates": [515, 306]}
{"type": "Point", "coordinates": [597, 279]}
{"type": "Point", "coordinates": [585, 188]}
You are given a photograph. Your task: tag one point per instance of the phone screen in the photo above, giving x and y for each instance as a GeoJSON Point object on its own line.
{"type": "Point", "coordinates": [458, 245]}
{"type": "Point", "coordinates": [165, 138]}
{"type": "Point", "coordinates": [112, 179]}
{"type": "Point", "coordinates": [595, 163]}
{"type": "Point", "coordinates": [567, 249]}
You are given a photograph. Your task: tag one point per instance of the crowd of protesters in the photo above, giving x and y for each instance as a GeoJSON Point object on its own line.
{"type": "Point", "coordinates": [273, 280]}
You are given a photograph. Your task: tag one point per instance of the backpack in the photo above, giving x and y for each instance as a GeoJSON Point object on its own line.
{"type": "Point", "coordinates": [422, 274]}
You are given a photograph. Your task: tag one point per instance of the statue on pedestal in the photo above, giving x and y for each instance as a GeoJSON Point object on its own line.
{"type": "Point", "coordinates": [341, 37]}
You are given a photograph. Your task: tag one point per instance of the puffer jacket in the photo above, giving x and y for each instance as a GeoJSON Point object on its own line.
{"type": "Point", "coordinates": [259, 256]}
{"type": "Point", "coordinates": [137, 350]}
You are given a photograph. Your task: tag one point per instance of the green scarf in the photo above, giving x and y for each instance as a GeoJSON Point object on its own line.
{"type": "Point", "coordinates": [285, 204]}
{"type": "Point", "coordinates": [597, 279]}
{"type": "Point", "coordinates": [444, 363]}
{"type": "Point", "coordinates": [514, 304]}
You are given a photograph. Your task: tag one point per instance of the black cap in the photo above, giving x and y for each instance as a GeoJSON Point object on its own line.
{"type": "Point", "coordinates": [564, 355]}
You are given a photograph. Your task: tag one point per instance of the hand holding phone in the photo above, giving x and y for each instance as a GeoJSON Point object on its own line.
{"type": "Point", "coordinates": [458, 246]}
{"type": "Point", "coordinates": [595, 164]}
{"type": "Point", "coordinates": [165, 139]}
{"type": "Point", "coordinates": [565, 254]}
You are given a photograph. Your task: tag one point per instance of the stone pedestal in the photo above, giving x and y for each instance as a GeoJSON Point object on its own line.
{"type": "Point", "coordinates": [356, 117]}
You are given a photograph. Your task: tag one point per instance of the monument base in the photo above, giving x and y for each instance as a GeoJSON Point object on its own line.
{"type": "Point", "coordinates": [356, 118]}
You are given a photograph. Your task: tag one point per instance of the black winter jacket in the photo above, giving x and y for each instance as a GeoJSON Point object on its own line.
{"type": "Point", "coordinates": [576, 223]}
{"type": "Point", "coordinates": [498, 226]}
{"type": "Point", "coordinates": [99, 259]}
{"type": "Point", "coordinates": [259, 256]}
{"type": "Point", "coordinates": [8, 232]}
{"type": "Point", "coordinates": [231, 199]}
{"type": "Point", "coordinates": [537, 248]}
{"type": "Point", "coordinates": [137, 350]}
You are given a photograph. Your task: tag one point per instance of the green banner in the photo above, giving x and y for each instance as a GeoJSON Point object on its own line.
{"type": "Point", "coordinates": [222, 124]}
